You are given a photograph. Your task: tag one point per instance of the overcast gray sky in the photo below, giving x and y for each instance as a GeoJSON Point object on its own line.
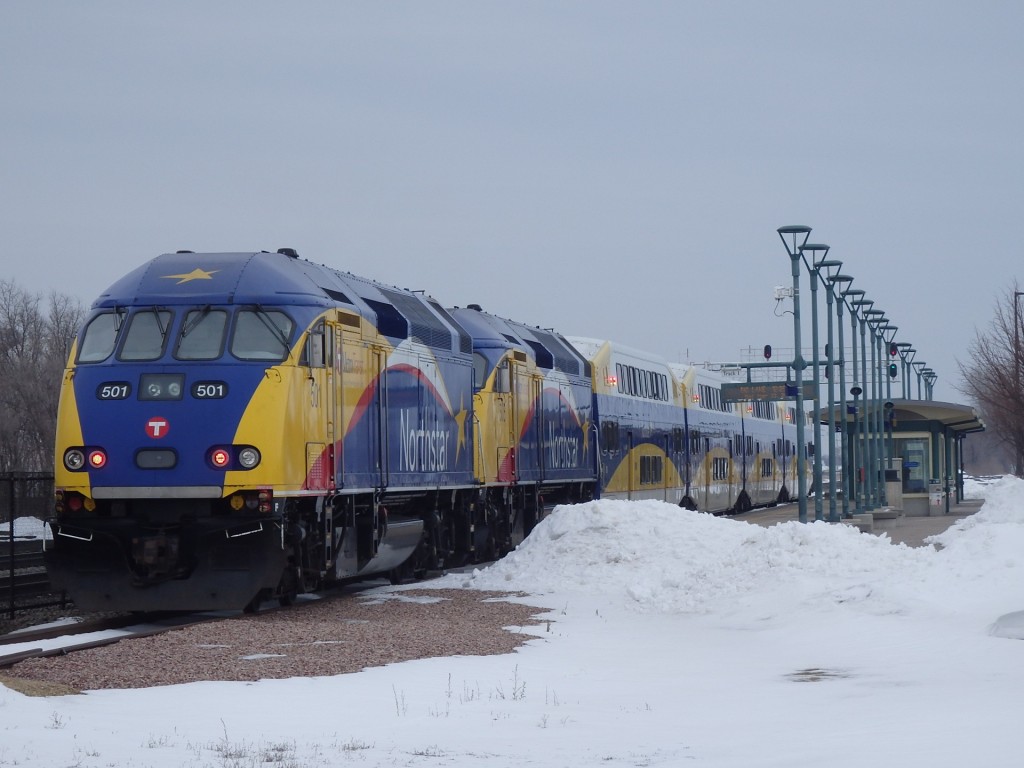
{"type": "Point", "coordinates": [607, 169]}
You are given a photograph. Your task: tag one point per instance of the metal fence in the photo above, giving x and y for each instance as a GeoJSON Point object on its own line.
{"type": "Point", "coordinates": [26, 500]}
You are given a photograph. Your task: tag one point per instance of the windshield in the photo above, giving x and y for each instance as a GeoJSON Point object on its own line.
{"type": "Point", "coordinates": [147, 332]}
{"type": "Point", "coordinates": [261, 335]}
{"type": "Point", "coordinates": [202, 335]}
{"type": "Point", "coordinates": [99, 337]}
{"type": "Point", "coordinates": [258, 334]}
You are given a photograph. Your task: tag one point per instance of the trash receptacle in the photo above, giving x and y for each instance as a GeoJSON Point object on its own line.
{"type": "Point", "coordinates": [894, 488]}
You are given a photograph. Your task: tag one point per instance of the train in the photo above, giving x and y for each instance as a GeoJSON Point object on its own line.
{"type": "Point", "coordinates": [240, 427]}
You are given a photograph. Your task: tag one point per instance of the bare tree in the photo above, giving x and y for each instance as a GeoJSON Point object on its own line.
{"type": "Point", "coordinates": [33, 351]}
{"type": "Point", "coordinates": [993, 379]}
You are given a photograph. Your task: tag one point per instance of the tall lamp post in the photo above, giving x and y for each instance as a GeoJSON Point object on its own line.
{"type": "Point", "coordinates": [837, 284]}
{"type": "Point", "coordinates": [905, 348]}
{"type": "Point", "coordinates": [865, 501]}
{"type": "Point", "coordinates": [876, 318]}
{"type": "Point", "coordinates": [889, 332]}
{"type": "Point", "coordinates": [798, 235]}
{"type": "Point", "coordinates": [812, 251]}
{"type": "Point", "coordinates": [856, 455]}
{"type": "Point", "coordinates": [930, 377]}
{"type": "Point", "coordinates": [911, 354]}
{"type": "Point", "coordinates": [919, 366]}
{"type": "Point", "coordinates": [831, 267]}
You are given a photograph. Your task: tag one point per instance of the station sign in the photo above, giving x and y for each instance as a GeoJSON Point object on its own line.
{"type": "Point", "coordinates": [764, 390]}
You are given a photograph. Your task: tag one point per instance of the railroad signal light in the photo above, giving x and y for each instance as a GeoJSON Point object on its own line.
{"type": "Point", "coordinates": [893, 370]}
{"type": "Point", "coordinates": [893, 349]}
{"type": "Point", "coordinates": [767, 351]}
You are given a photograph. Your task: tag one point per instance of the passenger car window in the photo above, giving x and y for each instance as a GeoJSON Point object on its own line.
{"type": "Point", "coordinates": [147, 331]}
{"type": "Point", "coordinates": [261, 335]}
{"type": "Point", "coordinates": [202, 335]}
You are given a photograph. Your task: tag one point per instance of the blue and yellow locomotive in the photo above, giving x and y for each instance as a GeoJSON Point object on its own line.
{"type": "Point", "coordinates": [240, 426]}
{"type": "Point", "coordinates": [245, 425]}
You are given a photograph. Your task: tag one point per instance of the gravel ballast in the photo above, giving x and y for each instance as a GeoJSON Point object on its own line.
{"type": "Point", "coordinates": [328, 637]}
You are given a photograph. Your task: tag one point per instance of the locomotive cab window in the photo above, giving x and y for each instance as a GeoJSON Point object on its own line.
{"type": "Point", "coordinates": [479, 371]}
{"type": "Point", "coordinates": [146, 334]}
{"type": "Point", "coordinates": [202, 334]}
{"type": "Point", "coordinates": [99, 337]}
{"type": "Point", "coordinates": [261, 335]}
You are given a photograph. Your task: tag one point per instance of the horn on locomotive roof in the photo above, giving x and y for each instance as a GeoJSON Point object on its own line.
{"type": "Point", "coordinates": [288, 252]}
{"type": "Point", "coordinates": [477, 307]}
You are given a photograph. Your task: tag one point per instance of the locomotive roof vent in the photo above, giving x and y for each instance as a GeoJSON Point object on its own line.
{"type": "Point", "coordinates": [477, 307]}
{"type": "Point", "coordinates": [288, 252]}
{"type": "Point", "coordinates": [184, 251]}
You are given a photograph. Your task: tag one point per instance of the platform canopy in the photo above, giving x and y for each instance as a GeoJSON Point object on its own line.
{"type": "Point", "coordinates": [923, 414]}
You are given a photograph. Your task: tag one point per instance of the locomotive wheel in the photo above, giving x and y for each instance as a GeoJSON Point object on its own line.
{"type": "Point", "coordinates": [402, 573]}
{"type": "Point", "coordinates": [253, 606]}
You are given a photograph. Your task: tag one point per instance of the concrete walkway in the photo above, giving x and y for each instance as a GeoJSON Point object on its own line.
{"type": "Point", "coordinates": [911, 531]}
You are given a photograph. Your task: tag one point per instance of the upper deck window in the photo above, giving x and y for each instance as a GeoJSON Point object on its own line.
{"type": "Point", "coordinates": [261, 335]}
{"type": "Point", "coordinates": [202, 335]}
{"type": "Point", "coordinates": [147, 332]}
{"type": "Point", "coordinates": [99, 337]}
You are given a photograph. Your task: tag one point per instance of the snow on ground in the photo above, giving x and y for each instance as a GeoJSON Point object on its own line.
{"type": "Point", "coordinates": [673, 638]}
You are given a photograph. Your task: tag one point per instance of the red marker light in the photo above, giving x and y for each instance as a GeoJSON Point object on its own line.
{"type": "Point", "coordinates": [97, 459]}
{"type": "Point", "coordinates": [220, 457]}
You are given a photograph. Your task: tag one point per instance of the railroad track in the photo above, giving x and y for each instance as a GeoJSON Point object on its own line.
{"type": "Point", "coordinates": [63, 639]}
{"type": "Point", "coordinates": [23, 576]}
{"type": "Point", "coordinates": [68, 638]}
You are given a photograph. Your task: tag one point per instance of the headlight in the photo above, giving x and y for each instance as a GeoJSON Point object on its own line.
{"type": "Point", "coordinates": [248, 457]}
{"type": "Point", "coordinates": [74, 459]}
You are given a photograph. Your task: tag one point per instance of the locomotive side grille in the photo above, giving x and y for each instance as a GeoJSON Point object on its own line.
{"type": "Point", "coordinates": [336, 295]}
{"type": "Point", "coordinates": [465, 341]}
{"type": "Point", "coordinates": [390, 321]}
{"type": "Point", "coordinates": [544, 358]}
{"type": "Point", "coordinates": [563, 360]}
{"type": "Point", "coordinates": [422, 322]}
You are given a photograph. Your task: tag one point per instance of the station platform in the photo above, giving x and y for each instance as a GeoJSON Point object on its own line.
{"type": "Point", "coordinates": [911, 530]}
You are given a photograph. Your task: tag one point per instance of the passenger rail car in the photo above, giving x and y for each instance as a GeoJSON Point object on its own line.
{"type": "Point", "coordinates": [239, 426]}
{"type": "Point", "coordinates": [665, 433]}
